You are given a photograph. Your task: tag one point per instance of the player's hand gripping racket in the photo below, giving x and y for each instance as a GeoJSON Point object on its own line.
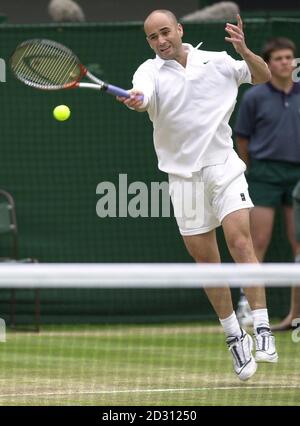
{"type": "Point", "coordinates": [48, 65]}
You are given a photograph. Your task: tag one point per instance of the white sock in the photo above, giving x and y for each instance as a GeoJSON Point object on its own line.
{"type": "Point", "coordinates": [231, 325]}
{"type": "Point", "coordinates": [260, 319]}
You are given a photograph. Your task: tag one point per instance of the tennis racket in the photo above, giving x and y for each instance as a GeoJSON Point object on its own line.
{"type": "Point", "coordinates": [48, 65]}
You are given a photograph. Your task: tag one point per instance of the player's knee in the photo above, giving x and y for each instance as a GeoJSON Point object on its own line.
{"type": "Point", "coordinates": [240, 244]}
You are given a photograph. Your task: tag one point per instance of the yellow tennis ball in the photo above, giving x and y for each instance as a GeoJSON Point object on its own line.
{"type": "Point", "coordinates": [61, 112]}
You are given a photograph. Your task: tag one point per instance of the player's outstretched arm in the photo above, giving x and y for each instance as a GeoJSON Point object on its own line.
{"type": "Point", "coordinates": [258, 68]}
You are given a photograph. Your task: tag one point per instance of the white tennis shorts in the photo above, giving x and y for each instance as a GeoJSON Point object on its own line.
{"type": "Point", "coordinates": [201, 202]}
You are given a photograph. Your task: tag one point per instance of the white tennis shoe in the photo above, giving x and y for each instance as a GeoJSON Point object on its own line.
{"type": "Point", "coordinates": [265, 345]}
{"type": "Point", "coordinates": [241, 350]}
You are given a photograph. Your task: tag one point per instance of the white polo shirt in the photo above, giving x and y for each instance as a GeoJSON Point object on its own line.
{"type": "Point", "coordinates": [190, 107]}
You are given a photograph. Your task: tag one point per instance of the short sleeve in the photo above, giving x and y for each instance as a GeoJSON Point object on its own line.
{"type": "Point", "coordinates": [245, 122]}
{"type": "Point", "coordinates": [240, 70]}
{"type": "Point", "coordinates": [144, 81]}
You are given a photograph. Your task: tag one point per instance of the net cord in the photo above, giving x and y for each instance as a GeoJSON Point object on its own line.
{"type": "Point", "coordinates": [147, 275]}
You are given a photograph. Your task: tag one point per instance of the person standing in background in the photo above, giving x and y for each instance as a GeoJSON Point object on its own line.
{"type": "Point", "coordinates": [268, 141]}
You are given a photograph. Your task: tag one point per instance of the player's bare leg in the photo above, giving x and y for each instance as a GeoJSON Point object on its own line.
{"type": "Point", "coordinates": [261, 225]}
{"type": "Point", "coordinates": [236, 226]}
{"type": "Point", "coordinates": [203, 248]}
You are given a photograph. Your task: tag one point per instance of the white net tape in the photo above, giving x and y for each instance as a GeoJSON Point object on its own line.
{"type": "Point", "coordinates": [152, 275]}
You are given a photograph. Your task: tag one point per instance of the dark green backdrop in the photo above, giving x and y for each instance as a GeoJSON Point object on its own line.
{"type": "Point", "coordinates": [52, 168]}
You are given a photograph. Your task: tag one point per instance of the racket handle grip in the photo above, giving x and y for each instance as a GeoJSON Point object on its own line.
{"type": "Point", "coordinates": [117, 91]}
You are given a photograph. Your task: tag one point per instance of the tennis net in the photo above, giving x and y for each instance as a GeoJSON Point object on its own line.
{"type": "Point", "coordinates": [149, 358]}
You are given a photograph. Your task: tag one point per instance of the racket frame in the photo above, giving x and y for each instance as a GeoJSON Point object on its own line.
{"type": "Point", "coordinates": [96, 84]}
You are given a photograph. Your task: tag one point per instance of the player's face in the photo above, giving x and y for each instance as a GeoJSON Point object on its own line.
{"type": "Point", "coordinates": [281, 63]}
{"type": "Point", "coordinates": [164, 36]}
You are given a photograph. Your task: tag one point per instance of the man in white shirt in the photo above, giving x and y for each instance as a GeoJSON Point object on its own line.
{"type": "Point", "coordinates": [189, 95]}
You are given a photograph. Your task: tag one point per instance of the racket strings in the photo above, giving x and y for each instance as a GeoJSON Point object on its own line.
{"type": "Point", "coordinates": [48, 65]}
{"type": "Point", "coordinates": [45, 65]}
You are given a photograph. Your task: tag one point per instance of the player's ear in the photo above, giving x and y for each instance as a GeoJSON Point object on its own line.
{"type": "Point", "coordinates": [180, 29]}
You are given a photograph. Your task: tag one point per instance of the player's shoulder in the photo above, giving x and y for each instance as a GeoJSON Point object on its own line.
{"type": "Point", "coordinates": [221, 60]}
{"type": "Point", "coordinates": [210, 55]}
{"type": "Point", "coordinates": [149, 66]}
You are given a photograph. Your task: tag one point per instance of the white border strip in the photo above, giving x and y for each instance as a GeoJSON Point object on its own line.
{"type": "Point", "coordinates": [149, 275]}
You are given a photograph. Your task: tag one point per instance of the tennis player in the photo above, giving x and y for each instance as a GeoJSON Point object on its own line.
{"type": "Point", "coordinates": [189, 95]}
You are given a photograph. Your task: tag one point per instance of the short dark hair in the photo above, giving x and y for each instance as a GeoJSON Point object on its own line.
{"type": "Point", "coordinates": [278, 43]}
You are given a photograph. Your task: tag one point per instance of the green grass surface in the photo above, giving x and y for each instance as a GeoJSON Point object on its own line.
{"type": "Point", "coordinates": [139, 365]}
